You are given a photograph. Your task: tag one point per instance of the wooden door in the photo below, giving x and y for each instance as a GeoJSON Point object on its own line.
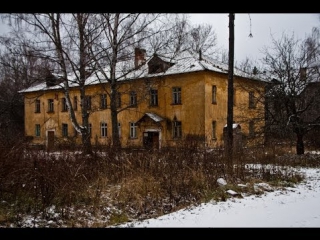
{"type": "Point", "coordinates": [50, 144]}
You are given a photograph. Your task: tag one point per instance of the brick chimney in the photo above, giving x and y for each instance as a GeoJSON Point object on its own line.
{"type": "Point", "coordinates": [139, 57]}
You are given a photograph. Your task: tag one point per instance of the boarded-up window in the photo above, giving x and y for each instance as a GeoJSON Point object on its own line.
{"type": "Point", "coordinates": [214, 94]}
{"type": "Point", "coordinates": [214, 129]}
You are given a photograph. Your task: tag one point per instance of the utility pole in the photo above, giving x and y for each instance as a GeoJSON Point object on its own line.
{"type": "Point", "coordinates": [229, 148]}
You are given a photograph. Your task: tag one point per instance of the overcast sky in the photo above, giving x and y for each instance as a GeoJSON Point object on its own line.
{"type": "Point", "coordinates": [262, 26]}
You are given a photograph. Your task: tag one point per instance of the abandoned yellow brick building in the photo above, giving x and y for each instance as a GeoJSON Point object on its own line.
{"type": "Point", "coordinates": [164, 102]}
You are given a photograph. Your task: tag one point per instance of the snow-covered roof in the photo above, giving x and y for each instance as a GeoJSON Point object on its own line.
{"type": "Point", "coordinates": [152, 116]}
{"type": "Point", "coordinates": [185, 62]}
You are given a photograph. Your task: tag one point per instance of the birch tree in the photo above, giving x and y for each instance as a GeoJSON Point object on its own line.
{"type": "Point", "coordinates": [62, 39]}
{"type": "Point", "coordinates": [119, 35]}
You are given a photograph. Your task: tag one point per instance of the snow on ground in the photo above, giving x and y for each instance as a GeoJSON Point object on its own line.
{"type": "Point", "coordinates": [294, 207]}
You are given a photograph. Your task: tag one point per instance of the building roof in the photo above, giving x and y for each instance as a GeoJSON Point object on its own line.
{"type": "Point", "coordinates": [186, 62]}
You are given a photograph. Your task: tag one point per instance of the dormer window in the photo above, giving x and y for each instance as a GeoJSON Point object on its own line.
{"type": "Point", "coordinates": [157, 65]}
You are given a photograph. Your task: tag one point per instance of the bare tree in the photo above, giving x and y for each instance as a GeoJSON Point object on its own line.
{"type": "Point", "coordinates": [19, 68]}
{"type": "Point", "coordinates": [120, 34]}
{"type": "Point", "coordinates": [203, 38]}
{"type": "Point", "coordinates": [293, 104]}
{"type": "Point", "coordinates": [63, 40]}
{"type": "Point", "coordinates": [80, 45]}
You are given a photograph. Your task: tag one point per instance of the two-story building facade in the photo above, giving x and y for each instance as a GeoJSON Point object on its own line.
{"type": "Point", "coordinates": [171, 101]}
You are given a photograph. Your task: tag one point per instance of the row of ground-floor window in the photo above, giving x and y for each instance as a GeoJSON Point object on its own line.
{"type": "Point", "coordinates": [149, 138]}
{"type": "Point", "coordinates": [176, 130]}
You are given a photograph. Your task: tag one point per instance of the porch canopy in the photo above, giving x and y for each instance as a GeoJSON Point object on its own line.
{"type": "Point", "coordinates": [154, 117]}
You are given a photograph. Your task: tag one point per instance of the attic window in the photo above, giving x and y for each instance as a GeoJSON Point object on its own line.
{"type": "Point", "coordinates": [192, 65]}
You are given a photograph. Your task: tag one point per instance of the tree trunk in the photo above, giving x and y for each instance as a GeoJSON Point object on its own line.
{"type": "Point", "coordinates": [114, 117]}
{"type": "Point", "coordinates": [300, 145]}
{"type": "Point", "coordinates": [86, 143]}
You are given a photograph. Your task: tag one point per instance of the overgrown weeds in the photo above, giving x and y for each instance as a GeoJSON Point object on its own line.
{"type": "Point", "coordinates": [119, 186]}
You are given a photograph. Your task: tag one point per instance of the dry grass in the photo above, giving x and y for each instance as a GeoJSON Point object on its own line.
{"type": "Point", "coordinates": [131, 184]}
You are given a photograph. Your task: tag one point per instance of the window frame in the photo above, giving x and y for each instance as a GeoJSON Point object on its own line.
{"type": "Point", "coordinates": [37, 106]}
{"type": "Point", "coordinates": [214, 129]}
{"type": "Point", "coordinates": [118, 100]}
{"type": "Point", "coordinates": [88, 102]}
{"type": "Point", "coordinates": [75, 103]}
{"type": "Point", "coordinates": [64, 105]}
{"type": "Point", "coordinates": [214, 94]}
{"type": "Point", "coordinates": [103, 101]}
{"type": "Point", "coordinates": [50, 105]}
{"type": "Point", "coordinates": [176, 96]}
{"type": "Point", "coordinates": [119, 129]}
{"type": "Point", "coordinates": [133, 99]}
{"type": "Point", "coordinates": [251, 100]}
{"type": "Point", "coordinates": [64, 128]}
{"type": "Point", "coordinates": [90, 129]}
{"type": "Point", "coordinates": [154, 97]}
{"type": "Point", "coordinates": [176, 129]}
{"type": "Point", "coordinates": [133, 130]}
{"type": "Point", "coordinates": [37, 130]}
{"type": "Point", "coordinates": [103, 129]}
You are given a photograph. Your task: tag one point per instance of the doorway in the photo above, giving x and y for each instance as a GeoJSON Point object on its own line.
{"type": "Point", "coordinates": [50, 143]}
{"type": "Point", "coordinates": [151, 140]}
